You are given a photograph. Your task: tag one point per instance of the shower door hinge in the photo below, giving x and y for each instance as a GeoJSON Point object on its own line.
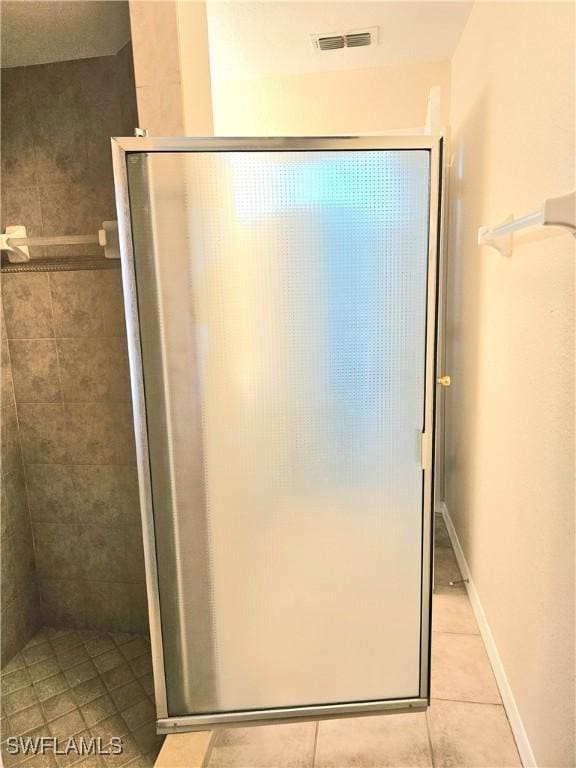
{"type": "Point", "coordinates": [425, 453]}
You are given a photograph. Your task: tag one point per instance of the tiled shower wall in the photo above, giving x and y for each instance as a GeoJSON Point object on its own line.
{"type": "Point", "coordinates": [69, 365]}
{"type": "Point", "coordinates": [20, 616]}
{"type": "Point", "coordinates": [57, 120]}
{"type": "Point", "coordinates": [67, 347]}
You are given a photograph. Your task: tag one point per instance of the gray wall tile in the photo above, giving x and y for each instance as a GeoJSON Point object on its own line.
{"type": "Point", "coordinates": [8, 585]}
{"type": "Point", "coordinates": [107, 493]}
{"type": "Point", "coordinates": [58, 553]}
{"type": "Point", "coordinates": [20, 544]}
{"type": "Point", "coordinates": [6, 387]}
{"type": "Point", "coordinates": [103, 120]}
{"type": "Point", "coordinates": [51, 494]}
{"type": "Point", "coordinates": [113, 605]}
{"type": "Point", "coordinates": [18, 157]}
{"type": "Point", "coordinates": [55, 87]}
{"type": "Point", "coordinates": [19, 612]}
{"type": "Point", "coordinates": [27, 306]}
{"type": "Point", "coordinates": [14, 502]}
{"type": "Point", "coordinates": [134, 554]}
{"type": "Point", "coordinates": [77, 309]}
{"type": "Point", "coordinates": [19, 621]}
{"type": "Point", "coordinates": [45, 433]}
{"type": "Point", "coordinates": [19, 597]}
{"type": "Point", "coordinates": [110, 284]}
{"type": "Point", "coordinates": [4, 513]}
{"type": "Point", "coordinates": [64, 603]}
{"type": "Point", "coordinates": [11, 455]}
{"type": "Point", "coordinates": [60, 148]}
{"type": "Point", "coordinates": [94, 369]}
{"type": "Point", "coordinates": [138, 611]}
{"type": "Point", "coordinates": [99, 80]}
{"type": "Point", "coordinates": [88, 303]}
{"type": "Point", "coordinates": [58, 125]}
{"type": "Point", "coordinates": [107, 606]}
{"type": "Point", "coordinates": [103, 553]}
{"type": "Point", "coordinates": [35, 370]}
{"type": "Point", "coordinates": [77, 302]}
{"type": "Point", "coordinates": [101, 433]}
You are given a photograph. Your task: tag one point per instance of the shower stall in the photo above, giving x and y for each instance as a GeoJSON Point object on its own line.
{"type": "Point", "coordinates": [75, 656]}
{"type": "Point", "coordinates": [281, 298]}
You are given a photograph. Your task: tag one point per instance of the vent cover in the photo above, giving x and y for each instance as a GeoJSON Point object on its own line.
{"type": "Point", "coordinates": [330, 43]}
{"type": "Point", "coordinates": [354, 38]}
{"type": "Point", "coordinates": [357, 39]}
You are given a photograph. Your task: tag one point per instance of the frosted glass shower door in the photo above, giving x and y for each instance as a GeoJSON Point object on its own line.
{"type": "Point", "coordinates": [283, 309]}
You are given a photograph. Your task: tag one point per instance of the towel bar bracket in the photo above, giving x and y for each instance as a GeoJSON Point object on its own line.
{"type": "Point", "coordinates": [555, 212]}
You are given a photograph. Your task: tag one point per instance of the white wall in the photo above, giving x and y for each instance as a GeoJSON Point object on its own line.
{"type": "Point", "coordinates": [171, 67]}
{"type": "Point", "coordinates": [350, 101]}
{"type": "Point", "coordinates": [157, 67]}
{"type": "Point", "coordinates": [510, 344]}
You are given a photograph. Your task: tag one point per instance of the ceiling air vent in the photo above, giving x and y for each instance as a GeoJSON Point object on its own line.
{"type": "Point", "coordinates": [357, 39]}
{"type": "Point", "coordinates": [353, 38]}
{"type": "Point", "coordinates": [330, 43]}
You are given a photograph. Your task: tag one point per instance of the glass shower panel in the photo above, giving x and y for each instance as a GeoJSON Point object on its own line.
{"type": "Point", "coordinates": [282, 303]}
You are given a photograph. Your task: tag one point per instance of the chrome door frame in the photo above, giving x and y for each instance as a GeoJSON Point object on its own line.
{"type": "Point", "coordinates": [121, 147]}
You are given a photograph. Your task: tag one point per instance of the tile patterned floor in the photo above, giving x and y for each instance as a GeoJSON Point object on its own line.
{"type": "Point", "coordinates": [465, 727]}
{"type": "Point", "coordinates": [81, 683]}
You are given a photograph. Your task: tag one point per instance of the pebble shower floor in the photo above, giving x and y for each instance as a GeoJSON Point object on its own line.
{"type": "Point", "coordinates": [81, 683]}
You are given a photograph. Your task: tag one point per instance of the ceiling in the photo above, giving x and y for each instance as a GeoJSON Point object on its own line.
{"type": "Point", "coordinates": [41, 32]}
{"type": "Point", "coordinates": [260, 38]}
{"type": "Point", "coordinates": [267, 38]}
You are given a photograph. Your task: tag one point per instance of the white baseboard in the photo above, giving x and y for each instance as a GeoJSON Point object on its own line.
{"type": "Point", "coordinates": [522, 742]}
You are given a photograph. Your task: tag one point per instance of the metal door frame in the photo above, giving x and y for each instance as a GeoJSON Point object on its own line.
{"type": "Point", "coordinates": [121, 147]}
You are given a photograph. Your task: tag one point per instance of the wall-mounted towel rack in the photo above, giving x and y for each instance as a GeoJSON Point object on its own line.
{"type": "Point", "coordinates": [16, 243]}
{"type": "Point", "coordinates": [555, 212]}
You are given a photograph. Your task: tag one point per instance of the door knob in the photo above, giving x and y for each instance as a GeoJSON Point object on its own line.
{"type": "Point", "coordinates": [444, 381]}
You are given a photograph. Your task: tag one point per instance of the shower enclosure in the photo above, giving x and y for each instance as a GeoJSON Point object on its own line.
{"type": "Point", "coordinates": [281, 299]}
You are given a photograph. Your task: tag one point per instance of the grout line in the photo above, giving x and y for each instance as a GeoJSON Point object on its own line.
{"type": "Point", "coordinates": [89, 581]}
{"type": "Point", "coordinates": [34, 587]}
{"type": "Point", "coordinates": [429, 732]}
{"type": "Point", "coordinates": [315, 748]}
{"type": "Point", "coordinates": [39, 590]}
{"type": "Point", "coordinates": [74, 464]}
{"type": "Point", "coordinates": [208, 754]}
{"type": "Point", "coordinates": [467, 701]}
{"type": "Point", "coordinates": [91, 337]}
{"type": "Point", "coordinates": [65, 403]}
{"type": "Point", "coordinates": [38, 190]}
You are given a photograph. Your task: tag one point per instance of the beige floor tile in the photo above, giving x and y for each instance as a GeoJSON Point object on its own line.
{"type": "Point", "coordinates": [441, 538]}
{"type": "Point", "coordinates": [452, 612]}
{"type": "Point", "coordinates": [446, 570]}
{"type": "Point", "coordinates": [471, 736]}
{"type": "Point", "coordinates": [461, 670]}
{"type": "Point", "coordinates": [386, 741]}
{"type": "Point", "coordinates": [268, 746]}
{"type": "Point", "coordinates": [185, 750]}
